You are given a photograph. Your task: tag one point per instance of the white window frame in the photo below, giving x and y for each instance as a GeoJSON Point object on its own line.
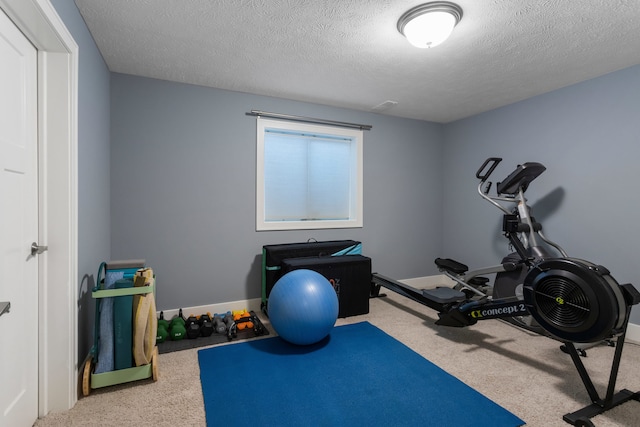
{"type": "Point", "coordinates": [356, 190]}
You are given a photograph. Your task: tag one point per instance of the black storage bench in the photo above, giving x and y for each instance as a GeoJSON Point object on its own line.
{"type": "Point", "coordinates": [337, 260]}
{"type": "Point", "coordinates": [350, 276]}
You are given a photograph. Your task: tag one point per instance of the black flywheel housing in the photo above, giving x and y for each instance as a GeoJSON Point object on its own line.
{"type": "Point", "coordinates": [574, 300]}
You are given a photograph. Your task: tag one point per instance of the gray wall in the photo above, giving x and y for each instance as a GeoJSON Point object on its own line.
{"type": "Point", "coordinates": [180, 188]}
{"type": "Point", "coordinates": [94, 233]}
{"type": "Point", "coordinates": [183, 162]}
{"type": "Point", "coordinates": [587, 135]}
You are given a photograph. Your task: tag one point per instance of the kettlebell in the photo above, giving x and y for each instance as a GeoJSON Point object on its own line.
{"type": "Point", "coordinates": [163, 329]}
{"type": "Point", "coordinates": [177, 329]}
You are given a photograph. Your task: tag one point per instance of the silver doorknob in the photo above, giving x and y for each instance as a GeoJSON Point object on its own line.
{"type": "Point", "coordinates": [36, 249]}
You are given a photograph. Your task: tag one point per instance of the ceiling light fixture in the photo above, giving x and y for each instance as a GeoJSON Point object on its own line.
{"type": "Point", "coordinates": [429, 24]}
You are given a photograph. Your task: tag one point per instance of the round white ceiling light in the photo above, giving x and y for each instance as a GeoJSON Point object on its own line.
{"type": "Point", "coordinates": [429, 24]}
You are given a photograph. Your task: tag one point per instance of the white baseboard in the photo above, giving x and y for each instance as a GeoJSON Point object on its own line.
{"type": "Point", "coordinates": [633, 333]}
{"type": "Point", "coordinates": [250, 305]}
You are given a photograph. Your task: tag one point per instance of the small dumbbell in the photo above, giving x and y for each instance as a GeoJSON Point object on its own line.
{"type": "Point", "coordinates": [206, 325]}
{"type": "Point", "coordinates": [193, 327]}
{"type": "Point", "coordinates": [231, 325]}
{"type": "Point", "coordinates": [218, 324]}
{"type": "Point", "coordinates": [228, 319]}
{"type": "Point", "coordinates": [243, 319]}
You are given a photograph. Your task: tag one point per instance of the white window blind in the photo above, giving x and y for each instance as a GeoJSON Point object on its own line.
{"type": "Point", "coordinates": [309, 176]}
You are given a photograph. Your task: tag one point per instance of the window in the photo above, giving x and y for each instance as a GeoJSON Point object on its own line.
{"type": "Point", "coordinates": [308, 176]}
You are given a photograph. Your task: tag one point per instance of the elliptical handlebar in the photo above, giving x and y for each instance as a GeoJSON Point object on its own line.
{"type": "Point", "coordinates": [485, 195]}
{"type": "Point", "coordinates": [492, 162]}
{"type": "Point", "coordinates": [483, 174]}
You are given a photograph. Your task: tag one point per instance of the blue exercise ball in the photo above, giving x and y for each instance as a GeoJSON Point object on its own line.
{"type": "Point", "coordinates": [303, 307]}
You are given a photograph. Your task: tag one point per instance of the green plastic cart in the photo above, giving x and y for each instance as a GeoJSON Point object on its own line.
{"type": "Point", "coordinates": [91, 380]}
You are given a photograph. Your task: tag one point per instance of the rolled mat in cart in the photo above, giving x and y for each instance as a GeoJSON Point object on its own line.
{"type": "Point", "coordinates": [105, 349]}
{"type": "Point", "coordinates": [122, 325]}
{"type": "Point", "coordinates": [144, 320]}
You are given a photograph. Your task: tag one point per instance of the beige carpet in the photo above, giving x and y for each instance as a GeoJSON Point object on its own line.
{"type": "Point", "coordinates": [525, 373]}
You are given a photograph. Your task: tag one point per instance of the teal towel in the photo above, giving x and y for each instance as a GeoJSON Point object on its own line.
{"type": "Point", "coordinates": [122, 327]}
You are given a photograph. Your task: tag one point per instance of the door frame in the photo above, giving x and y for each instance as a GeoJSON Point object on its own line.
{"type": "Point", "coordinates": [58, 200]}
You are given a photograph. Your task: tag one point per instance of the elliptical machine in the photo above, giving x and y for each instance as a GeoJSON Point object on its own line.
{"type": "Point", "coordinates": [537, 287]}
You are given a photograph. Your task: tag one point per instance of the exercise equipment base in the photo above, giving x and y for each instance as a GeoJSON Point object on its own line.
{"type": "Point", "coordinates": [581, 416]}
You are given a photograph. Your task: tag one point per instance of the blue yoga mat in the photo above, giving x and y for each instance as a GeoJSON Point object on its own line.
{"type": "Point", "coordinates": [358, 376]}
{"type": "Point", "coordinates": [105, 353]}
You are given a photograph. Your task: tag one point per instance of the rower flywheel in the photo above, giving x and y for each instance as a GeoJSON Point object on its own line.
{"type": "Point", "coordinates": [574, 300]}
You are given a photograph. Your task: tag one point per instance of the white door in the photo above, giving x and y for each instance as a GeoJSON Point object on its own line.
{"type": "Point", "coordinates": [18, 227]}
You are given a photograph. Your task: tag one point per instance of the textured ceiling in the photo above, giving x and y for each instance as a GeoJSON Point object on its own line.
{"type": "Point", "coordinates": [348, 53]}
